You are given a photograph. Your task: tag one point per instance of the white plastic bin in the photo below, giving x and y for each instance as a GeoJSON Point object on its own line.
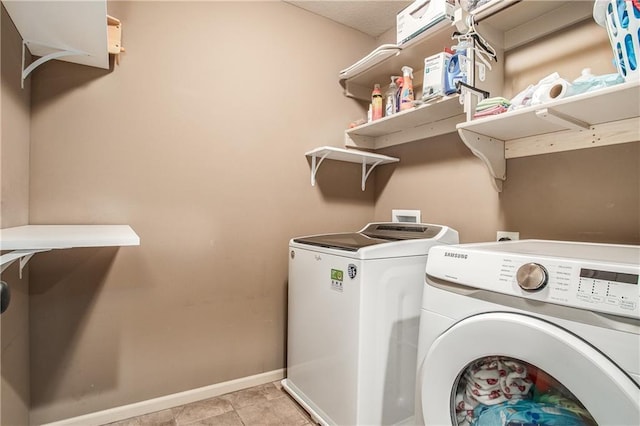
{"type": "Point", "coordinates": [621, 18]}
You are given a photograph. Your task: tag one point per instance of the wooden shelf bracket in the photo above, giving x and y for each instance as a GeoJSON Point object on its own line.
{"type": "Point", "coordinates": [490, 151]}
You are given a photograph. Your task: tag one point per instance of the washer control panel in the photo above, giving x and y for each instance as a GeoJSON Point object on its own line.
{"type": "Point", "coordinates": [609, 285]}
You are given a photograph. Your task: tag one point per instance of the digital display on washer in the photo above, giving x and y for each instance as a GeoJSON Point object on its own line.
{"type": "Point", "coordinates": [609, 276]}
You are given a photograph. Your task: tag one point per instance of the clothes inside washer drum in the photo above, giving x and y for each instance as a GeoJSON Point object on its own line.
{"type": "Point", "coordinates": [525, 413]}
{"type": "Point", "coordinates": [500, 391]}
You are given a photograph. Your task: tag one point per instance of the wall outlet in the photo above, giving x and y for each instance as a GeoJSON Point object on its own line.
{"type": "Point", "coordinates": [507, 236]}
{"type": "Point", "coordinates": [410, 216]}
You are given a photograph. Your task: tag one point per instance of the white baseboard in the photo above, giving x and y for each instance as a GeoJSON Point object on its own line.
{"type": "Point", "coordinates": [168, 401]}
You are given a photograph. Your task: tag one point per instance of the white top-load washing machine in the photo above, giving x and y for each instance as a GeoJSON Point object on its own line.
{"type": "Point", "coordinates": [530, 332]}
{"type": "Point", "coordinates": [354, 308]}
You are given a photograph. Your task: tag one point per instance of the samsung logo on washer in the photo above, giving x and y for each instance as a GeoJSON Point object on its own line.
{"type": "Point", "coordinates": [455, 255]}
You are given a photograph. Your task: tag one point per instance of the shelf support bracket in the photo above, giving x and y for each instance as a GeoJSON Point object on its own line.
{"type": "Point", "coordinates": [315, 165]}
{"type": "Point", "coordinates": [35, 64]}
{"type": "Point", "coordinates": [365, 172]}
{"type": "Point", "coordinates": [560, 119]}
{"type": "Point", "coordinates": [490, 151]}
{"type": "Point", "coordinates": [22, 255]}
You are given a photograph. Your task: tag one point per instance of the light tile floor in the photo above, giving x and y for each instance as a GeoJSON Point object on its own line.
{"type": "Point", "coordinates": [265, 405]}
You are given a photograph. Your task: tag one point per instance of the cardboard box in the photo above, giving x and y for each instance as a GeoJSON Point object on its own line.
{"type": "Point", "coordinates": [419, 16]}
{"type": "Point", "coordinates": [435, 73]}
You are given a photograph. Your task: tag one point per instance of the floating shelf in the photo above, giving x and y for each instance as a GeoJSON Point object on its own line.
{"type": "Point", "coordinates": [72, 31]}
{"type": "Point", "coordinates": [428, 120]}
{"type": "Point", "coordinates": [31, 239]}
{"type": "Point", "coordinates": [388, 62]}
{"type": "Point", "coordinates": [348, 155]}
{"type": "Point", "coordinates": [522, 21]}
{"type": "Point", "coordinates": [602, 117]}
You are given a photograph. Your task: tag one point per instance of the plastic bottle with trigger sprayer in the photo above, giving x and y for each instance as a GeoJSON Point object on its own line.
{"type": "Point", "coordinates": [399, 80]}
{"type": "Point", "coordinates": [406, 97]}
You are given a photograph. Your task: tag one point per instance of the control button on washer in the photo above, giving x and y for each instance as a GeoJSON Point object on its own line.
{"type": "Point", "coordinates": [627, 305]}
{"type": "Point", "coordinates": [532, 276]}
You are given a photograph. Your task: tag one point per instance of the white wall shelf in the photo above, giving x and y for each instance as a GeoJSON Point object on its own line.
{"type": "Point", "coordinates": [435, 118]}
{"type": "Point", "coordinates": [604, 117]}
{"type": "Point", "coordinates": [371, 160]}
{"type": "Point", "coordinates": [25, 241]}
{"type": "Point", "coordinates": [359, 85]}
{"type": "Point", "coordinates": [432, 119]}
{"type": "Point", "coordinates": [72, 31]}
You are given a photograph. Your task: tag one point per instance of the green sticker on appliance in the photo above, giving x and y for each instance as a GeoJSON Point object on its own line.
{"type": "Point", "coordinates": [336, 279]}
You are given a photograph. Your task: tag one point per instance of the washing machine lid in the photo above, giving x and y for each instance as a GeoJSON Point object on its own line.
{"type": "Point", "coordinates": [607, 392]}
{"type": "Point", "coordinates": [372, 234]}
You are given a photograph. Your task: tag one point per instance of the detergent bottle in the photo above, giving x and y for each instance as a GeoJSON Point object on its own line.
{"type": "Point", "coordinates": [455, 72]}
{"type": "Point", "coordinates": [376, 103]}
{"type": "Point", "coordinates": [391, 105]}
{"type": "Point", "coordinates": [406, 96]}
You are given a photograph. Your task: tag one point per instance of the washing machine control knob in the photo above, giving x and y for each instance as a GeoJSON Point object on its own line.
{"type": "Point", "coordinates": [532, 276]}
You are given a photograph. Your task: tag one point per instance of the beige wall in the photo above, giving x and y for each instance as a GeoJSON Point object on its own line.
{"type": "Point", "coordinates": [196, 140]}
{"type": "Point", "coordinates": [198, 143]}
{"type": "Point", "coordinates": [586, 195]}
{"type": "Point", "coordinates": [14, 211]}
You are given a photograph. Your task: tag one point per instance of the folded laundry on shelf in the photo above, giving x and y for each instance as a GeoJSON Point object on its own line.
{"type": "Point", "coordinates": [491, 106]}
{"type": "Point", "coordinates": [491, 102]}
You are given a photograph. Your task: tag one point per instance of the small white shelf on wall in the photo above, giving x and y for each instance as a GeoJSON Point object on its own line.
{"type": "Point", "coordinates": [25, 241]}
{"type": "Point", "coordinates": [434, 118]}
{"type": "Point", "coordinates": [368, 160]}
{"type": "Point", "coordinates": [74, 31]}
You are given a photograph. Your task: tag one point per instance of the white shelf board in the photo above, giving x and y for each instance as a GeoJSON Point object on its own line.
{"type": "Point", "coordinates": [410, 54]}
{"type": "Point", "coordinates": [48, 237]}
{"type": "Point", "coordinates": [521, 21]}
{"type": "Point", "coordinates": [613, 103]}
{"type": "Point", "coordinates": [602, 117]}
{"type": "Point", "coordinates": [50, 26]}
{"type": "Point", "coordinates": [427, 120]}
{"type": "Point", "coordinates": [349, 155]}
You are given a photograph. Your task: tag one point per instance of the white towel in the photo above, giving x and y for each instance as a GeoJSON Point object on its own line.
{"type": "Point", "coordinates": [494, 380]}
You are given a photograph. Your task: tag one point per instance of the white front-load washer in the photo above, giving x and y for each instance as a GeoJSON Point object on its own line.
{"type": "Point", "coordinates": [353, 314]}
{"type": "Point", "coordinates": [530, 332]}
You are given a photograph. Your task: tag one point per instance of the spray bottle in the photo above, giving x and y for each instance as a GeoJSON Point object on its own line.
{"type": "Point", "coordinates": [406, 96]}
{"type": "Point", "coordinates": [398, 92]}
{"type": "Point", "coordinates": [391, 106]}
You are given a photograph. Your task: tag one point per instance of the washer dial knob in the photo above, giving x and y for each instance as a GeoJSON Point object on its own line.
{"type": "Point", "coordinates": [532, 276]}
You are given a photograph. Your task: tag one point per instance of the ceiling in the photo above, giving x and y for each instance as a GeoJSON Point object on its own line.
{"type": "Point", "coordinates": [372, 17]}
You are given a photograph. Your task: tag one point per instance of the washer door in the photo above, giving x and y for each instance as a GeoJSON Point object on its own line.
{"type": "Point", "coordinates": [475, 369]}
